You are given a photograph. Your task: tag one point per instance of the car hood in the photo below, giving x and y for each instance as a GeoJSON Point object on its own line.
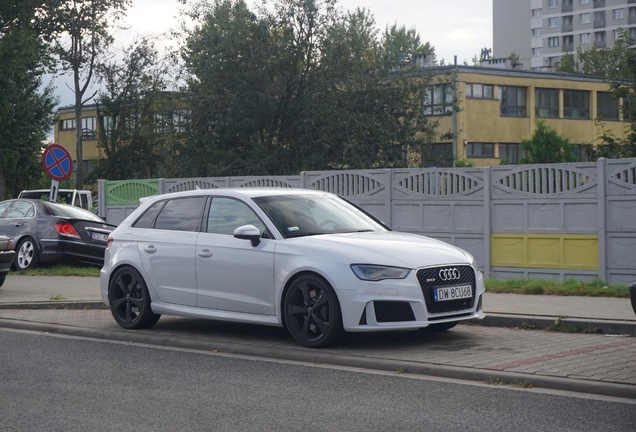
{"type": "Point", "coordinates": [385, 248]}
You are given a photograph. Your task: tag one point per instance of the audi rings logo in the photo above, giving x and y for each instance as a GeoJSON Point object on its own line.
{"type": "Point", "coordinates": [449, 274]}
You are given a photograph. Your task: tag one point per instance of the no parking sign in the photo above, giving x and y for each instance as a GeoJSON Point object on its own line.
{"type": "Point", "coordinates": [58, 164]}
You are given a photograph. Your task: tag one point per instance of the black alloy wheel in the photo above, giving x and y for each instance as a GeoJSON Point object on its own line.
{"type": "Point", "coordinates": [129, 300]}
{"type": "Point", "coordinates": [312, 313]}
{"type": "Point", "coordinates": [26, 254]}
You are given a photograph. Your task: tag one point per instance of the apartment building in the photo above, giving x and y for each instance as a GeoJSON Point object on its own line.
{"type": "Point", "coordinates": [541, 31]}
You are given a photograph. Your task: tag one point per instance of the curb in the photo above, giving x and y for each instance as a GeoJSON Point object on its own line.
{"type": "Point", "coordinates": [319, 357]}
{"type": "Point", "coordinates": [55, 305]}
{"type": "Point", "coordinates": [590, 325]}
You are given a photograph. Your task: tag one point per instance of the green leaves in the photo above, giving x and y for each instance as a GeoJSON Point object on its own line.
{"type": "Point", "coordinates": [547, 146]}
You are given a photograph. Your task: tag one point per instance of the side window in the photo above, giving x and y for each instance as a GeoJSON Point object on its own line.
{"type": "Point", "coordinates": [181, 214]}
{"type": "Point", "coordinates": [20, 210]}
{"type": "Point", "coordinates": [4, 206]}
{"type": "Point", "coordinates": [227, 214]}
{"type": "Point", "coordinates": [148, 217]}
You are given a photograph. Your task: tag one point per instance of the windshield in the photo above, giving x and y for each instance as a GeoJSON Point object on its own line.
{"type": "Point", "coordinates": [303, 215]}
{"type": "Point", "coordinates": [68, 211]}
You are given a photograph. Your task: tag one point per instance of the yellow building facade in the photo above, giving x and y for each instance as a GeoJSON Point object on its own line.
{"type": "Point", "coordinates": [499, 106]}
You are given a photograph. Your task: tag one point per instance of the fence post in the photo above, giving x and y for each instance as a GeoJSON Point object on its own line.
{"type": "Point", "coordinates": [388, 198]}
{"type": "Point", "coordinates": [101, 198]}
{"type": "Point", "coordinates": [303, 179]}
{"type": "Point", "coordinates": [487, 224]}
{"type": "Point", "coordinates": [601, 178]}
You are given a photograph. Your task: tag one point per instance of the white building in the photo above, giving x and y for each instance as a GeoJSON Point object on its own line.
{"type": "Point", "coordinates": [541, 31]}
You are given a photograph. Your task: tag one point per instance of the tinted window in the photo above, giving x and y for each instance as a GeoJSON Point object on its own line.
{"type": "Point", "coordinates": [148, 217]}
{"type": "Point", "coordinates": [20, 209]}
{"type": "Point", "coordinates": [181, 214]}
{"type": "Point", "coordinates": [63, 210]}
{"type": "Point", "coordinates": [228, 214]}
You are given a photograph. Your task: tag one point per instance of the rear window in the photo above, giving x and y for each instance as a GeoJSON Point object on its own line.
{"type": "Point", "coordinates": [67, 211]}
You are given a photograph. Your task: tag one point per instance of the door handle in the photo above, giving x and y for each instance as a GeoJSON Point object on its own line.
{"type": "Point", "coordinates": [205, 253]}
{"type": "Point", "coordinates": [150, 249]}
{"type": "Point", "coordinates": [18, 224]}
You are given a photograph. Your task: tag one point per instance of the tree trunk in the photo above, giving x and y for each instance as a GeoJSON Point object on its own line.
{"type": "Point", "coordinates": [79, 156]}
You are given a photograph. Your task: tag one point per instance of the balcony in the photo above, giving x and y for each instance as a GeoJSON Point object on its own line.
{"type": "Point", "coordinates": [599, 43]}
{"type": "Point", "coordinates": [599, 3]}
{"type": "Point", "coordinates": [631, 19]}
{"type": "Point", "coordinates": [566, 8]}
{"type": "Point", "coordinates": [567, 28]}
{"type": "Point", "coordinates": [599, 23]}
{"type": "Point", "coordinates": [568, 47]}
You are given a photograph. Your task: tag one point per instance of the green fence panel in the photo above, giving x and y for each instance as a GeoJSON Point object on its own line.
{"type": "Point", "coordinates": [128, 192]}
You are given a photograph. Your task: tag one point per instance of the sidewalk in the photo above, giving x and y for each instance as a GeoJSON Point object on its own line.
{"type": "Point", "coordinates": [593, 363]}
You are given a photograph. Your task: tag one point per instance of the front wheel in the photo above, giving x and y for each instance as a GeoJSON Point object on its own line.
{"type": "Point", "coordinates": [27, 254]}
{"type": "Point", "coordinates": [312, 313]}
{"type": "Point", "coordinates": [129, 300]}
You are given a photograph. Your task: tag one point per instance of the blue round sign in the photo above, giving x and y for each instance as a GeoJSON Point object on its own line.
{"type": "Point", "coordinates": [57, 162]}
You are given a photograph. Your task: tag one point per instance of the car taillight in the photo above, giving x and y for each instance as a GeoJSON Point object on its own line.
{"type": "Point", "coordinates": [67, 230]}
{"type": "Point", "coordinates": [109, 242]}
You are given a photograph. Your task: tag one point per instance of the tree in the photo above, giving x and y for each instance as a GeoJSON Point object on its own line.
{"type": "Point", "coordinates": [26, 109]}
{"type": "Point", "coordinates": [546, 146]}
{"type": "Point", "coordinates": [567, 64]}
{"type": "Point", "coordinates": [298, 86]}
{"type": "Point", "coordinates": [134, 114]}
{"type": "Point", "coordinates": [81, 38]}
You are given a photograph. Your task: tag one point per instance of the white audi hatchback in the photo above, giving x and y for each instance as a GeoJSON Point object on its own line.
{"type": "Point", "coordinates": [306, 260]}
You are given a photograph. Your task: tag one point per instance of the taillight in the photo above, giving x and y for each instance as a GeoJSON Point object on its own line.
{"type": "Point", "coordinates": [109, 242]}
{"type": "Point", "coordinates": [67, 230]}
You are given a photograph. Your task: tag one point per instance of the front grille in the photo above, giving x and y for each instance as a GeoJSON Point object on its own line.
{"type": "Point", "coordinates": [391, 311]}
{"type": "Point", "coordinates": [429, 279]}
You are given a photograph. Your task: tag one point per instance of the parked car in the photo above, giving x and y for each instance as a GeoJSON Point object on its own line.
{"type": "Point", "coordinates": [74, 197]}
{"type": "Point", "coordinates": [6, 257]}
{"type": "Point", "coordinates": [305, 260]}
{"type": "Point", "coordinates": [46, 232]}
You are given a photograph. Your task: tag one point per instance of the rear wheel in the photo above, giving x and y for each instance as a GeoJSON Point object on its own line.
{"type": "Point", "coordinates": [27, 254]}
{"type": "Point", "coordinates": [312, 313]}
{"type": "Point", "coordinates": [2, 278]}
{"type": "Point", "coordinates": [129, 300]}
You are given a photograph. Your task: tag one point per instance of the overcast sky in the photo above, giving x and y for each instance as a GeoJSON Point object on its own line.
{"type": "Point", "coordinates": [454, 27]}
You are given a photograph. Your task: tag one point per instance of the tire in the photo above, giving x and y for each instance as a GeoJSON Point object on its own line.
{"type": "Point", "coordinates": [437, 328]}
{"type": "Point", "coordinates": [26, 254]}
{"type": "Point", "coordinates": [2, 278]}
{"type": "Point", "coordinates": [311, 312]}
{"type": "Point", "coordinates": [129, 300]}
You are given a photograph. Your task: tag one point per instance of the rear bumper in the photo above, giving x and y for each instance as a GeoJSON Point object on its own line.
{"type": "Point", "coordinates": [55, 251]}
{"type": "Point", "coordinates": [6, 258]}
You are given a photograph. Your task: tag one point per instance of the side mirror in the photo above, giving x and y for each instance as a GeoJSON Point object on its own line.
{"type": "Point", "coordinates": [248, 232]}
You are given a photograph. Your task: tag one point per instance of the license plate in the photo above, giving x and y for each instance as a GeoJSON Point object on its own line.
{"type": "Point", "coordinates": [453, 293]}
{"type": "Point", "coordinates": [99, 236]}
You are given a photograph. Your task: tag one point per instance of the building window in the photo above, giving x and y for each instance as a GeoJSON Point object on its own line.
{"type": "Point", "coordinates": [180, 120]}
{"type": "Point", "coordinates": [553, 41]}
{"type": "Point", "coordinates": [537, 51]}
{"type": "Point", "coordinates": [606, 106]}
{"type": "Point", "coordinates": [585, 1]}
{"type": "Point", "coordinates": [438, 99]}
{"type": "Point", "coordinates": [599, 37]}
{"type": "Point", "coordinates": [536, 32]}
{"type": "Point", "coordinates": [584, 18]}
{"type": "Point", "coordinates": [586, 38]}
{"type": "Point", "coordinates": [616, 33]}
{"type": "Point", "coordinates": [67, 124]}
{"type": "Point", "coordinates": [437, 155]}
{"type": "Point", "coordinates": [546, 103]}
{"type": "Point", "coordinates": [632, 33]}
{"type": "Point", "coordinates": [510, 153]}
{"type": "Point", "coordinates": [576, 104]}
{"type": "Point", "coordinates": [107, 125]}
{"type": "Point", "coordinates": [568, 41]}
{"type": "Point", "coordinates": [480, 150]}
{"type": "Point", "coordinates": [89, 127]}
{"type": "Point", "coordinates": [481, 91]}
{"type": "Point", "coordinates": [599, 19]}
{"type": "Point", "coordinates": [536, 13]}
{"type": "Point", "coordinates": [619, 14]}
{"type": "Point", "coordinates": [553, 22]}
{"type": "Point", "coordinates": [553, 3]}
{"type": "Point", "coordinates": [579, 152]}
{"type": "Point", "coordinates": [513, 101]}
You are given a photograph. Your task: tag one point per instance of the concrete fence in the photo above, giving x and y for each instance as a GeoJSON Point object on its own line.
{"type": "Point", "coordinates": [555, 221]}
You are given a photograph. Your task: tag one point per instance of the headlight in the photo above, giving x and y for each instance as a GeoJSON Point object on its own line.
{"type": "Point", "coordinates": [369, 272]}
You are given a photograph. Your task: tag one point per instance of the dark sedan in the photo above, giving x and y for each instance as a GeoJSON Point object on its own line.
{"type": "Point", "coordinates": [6, 257]}
{"type": "Point", "coordinates": [45, 232]}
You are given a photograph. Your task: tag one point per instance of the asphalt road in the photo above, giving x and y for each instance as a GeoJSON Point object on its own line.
{"type": "Point", "coordinates": [61, 383]}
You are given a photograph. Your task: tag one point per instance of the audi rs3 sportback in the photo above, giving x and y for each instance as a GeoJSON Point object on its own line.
{"type": "Point", "coordinates": [305, 260]}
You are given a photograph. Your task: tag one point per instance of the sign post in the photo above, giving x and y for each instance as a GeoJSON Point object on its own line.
{"type": "Point", "coordinates": [58, 164]}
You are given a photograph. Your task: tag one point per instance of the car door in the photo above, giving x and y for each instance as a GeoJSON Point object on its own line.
{"type": "Point", "coordinates": [14, 215]}
{"type": "Point", "coordinates": [167, 249]}
{"type": "Point", "coordinates": [233, 275]}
